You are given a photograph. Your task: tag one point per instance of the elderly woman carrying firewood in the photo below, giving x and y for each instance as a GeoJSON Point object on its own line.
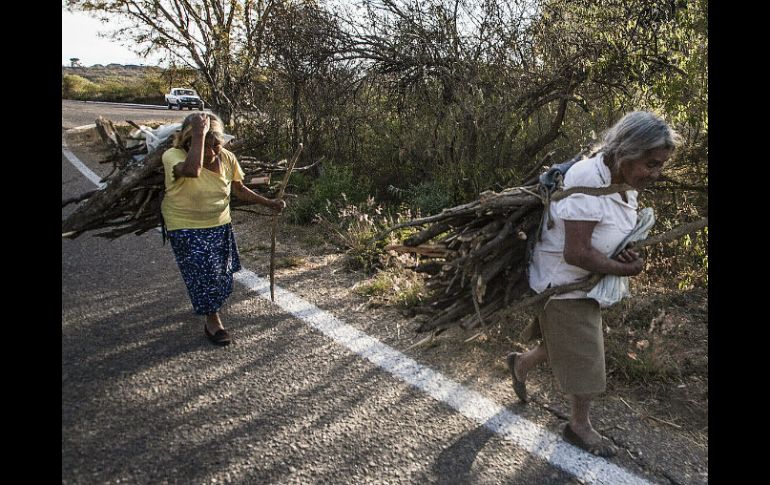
{"type": "Point", "coordinates": [586, 231]}
{"type": "Point", "coordinates": [199, 176]}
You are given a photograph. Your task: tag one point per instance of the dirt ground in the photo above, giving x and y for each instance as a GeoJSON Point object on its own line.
{"type": "Point", "coordinates": [656, 404]}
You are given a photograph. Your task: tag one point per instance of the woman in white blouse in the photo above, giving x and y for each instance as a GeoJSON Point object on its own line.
{"type": "Point", "coordinates": [586, 230]}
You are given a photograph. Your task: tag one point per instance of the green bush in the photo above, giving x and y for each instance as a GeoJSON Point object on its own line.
{"type": "Point", "coordinates": [77, 87]}
{"type": "Point", "coordinates": [355, 228]}
{"type": "Point", "coordinates": [145, 89]}
{"type": "Point", "coordinates": [683, 262]}
{"type": "Point", "coordinates": [430, 197]}
{"type": "Point", "coordinates": [359, 229]}
{"type": "Point", "coordinates": [300, 183]}
{"type": "Point", "coordinates": [334, 185]}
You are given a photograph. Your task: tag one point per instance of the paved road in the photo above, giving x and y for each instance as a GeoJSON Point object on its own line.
{"type": "Point", "coordinates": [146, 399]}
{"type": "Point", "coordinates": [80, 113]}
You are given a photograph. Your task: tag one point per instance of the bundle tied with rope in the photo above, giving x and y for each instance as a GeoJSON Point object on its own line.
{"type": "Point", "coordinates": [476, 255]}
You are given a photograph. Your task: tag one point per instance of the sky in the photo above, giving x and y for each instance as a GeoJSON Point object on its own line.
{"type": "Point", "coordinates": [79, 38]}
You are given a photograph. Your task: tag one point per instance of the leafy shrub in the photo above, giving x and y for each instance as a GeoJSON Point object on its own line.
{"type": "Point", "coordinates": [358, 229]}
{"type": "Point", "coordinates": [430, 197]}
{"type": "Point", "coordinates": [684, 262]}
{"type": "Point", "coordinates": [336, 184]}
{"type": "Point", "coordinates": [77, 87]}
{"type": "Point", "coordinates": [146, 88]}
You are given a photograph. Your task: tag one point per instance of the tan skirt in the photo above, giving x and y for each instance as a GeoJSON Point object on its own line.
{"type": "Point", "coordinates": [572, 335]}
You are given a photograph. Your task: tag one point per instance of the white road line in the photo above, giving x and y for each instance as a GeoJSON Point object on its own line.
{"type": "Point", "coordinates": [80, 166]}
{"type": "Point", "coordinates": [524, 433]}
{"type": "Point", "coordinates": [530, 436]}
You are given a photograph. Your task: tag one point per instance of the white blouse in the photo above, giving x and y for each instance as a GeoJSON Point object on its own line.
{"type": "Point", "coordinates": [615, 220]}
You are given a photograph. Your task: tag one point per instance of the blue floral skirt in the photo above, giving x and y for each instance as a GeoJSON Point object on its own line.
{"type": "Point", "coordinates": [207, 259]}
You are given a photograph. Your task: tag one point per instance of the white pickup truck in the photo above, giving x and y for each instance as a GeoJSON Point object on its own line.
{"type": "Point", "coordinates": [183, 98]}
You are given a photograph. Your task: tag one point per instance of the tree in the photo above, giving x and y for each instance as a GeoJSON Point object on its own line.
{"type": "Point", "coordinates": [641, 55]}
{"type": "Point", "coordinates": [472, 67]}
{"type": "Point", "coordinates": [222, 39]}
{"type": "Point", "coordinates": [303, 40]}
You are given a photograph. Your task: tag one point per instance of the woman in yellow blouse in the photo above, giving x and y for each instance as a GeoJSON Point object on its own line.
{"type": "Point", "coordinates": [200, 175]}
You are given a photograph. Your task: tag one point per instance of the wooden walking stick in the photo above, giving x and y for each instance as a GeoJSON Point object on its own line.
{"type": "Point", "coordinates": [275, 221]}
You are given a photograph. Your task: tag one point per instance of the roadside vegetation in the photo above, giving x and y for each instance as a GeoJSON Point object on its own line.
{"type": "Point", "coordinates": [123, 84]}
{"type": "Point", "coordinates": [412, 107]}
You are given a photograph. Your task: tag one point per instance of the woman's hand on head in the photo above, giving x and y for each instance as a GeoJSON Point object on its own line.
{"type": "Point", "coordinates": [200, 123]}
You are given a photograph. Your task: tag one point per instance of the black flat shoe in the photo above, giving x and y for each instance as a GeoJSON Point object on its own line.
{"type": "Point", "coordinates": [221, 337]}
{"type": "Point", "coordinates": [518, 386]}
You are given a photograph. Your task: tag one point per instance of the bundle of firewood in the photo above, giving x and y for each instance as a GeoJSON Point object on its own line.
{"type": "Point", "coordinates": [130, 201]}
{"type": "Point", "coordinates": [477, 254]}
{"type": "Point", "coordinates": [476, 258]}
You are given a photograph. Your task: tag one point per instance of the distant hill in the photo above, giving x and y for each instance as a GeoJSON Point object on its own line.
{"type": "Point", "coordinates": [123, 83]}
{"type": "Point", "coordinates": [112, 72]}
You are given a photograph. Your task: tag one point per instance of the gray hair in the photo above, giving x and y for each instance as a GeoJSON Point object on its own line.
{"type": "Point", "coordinates": [635, 135]}
{"type": "Point", "coordinates": [183, 137]}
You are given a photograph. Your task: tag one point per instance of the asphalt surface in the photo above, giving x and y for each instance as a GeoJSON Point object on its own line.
{"type": "Point", "coordinates": [147, 399]}
{"type": "Point", "coordinates": [80, 113]}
